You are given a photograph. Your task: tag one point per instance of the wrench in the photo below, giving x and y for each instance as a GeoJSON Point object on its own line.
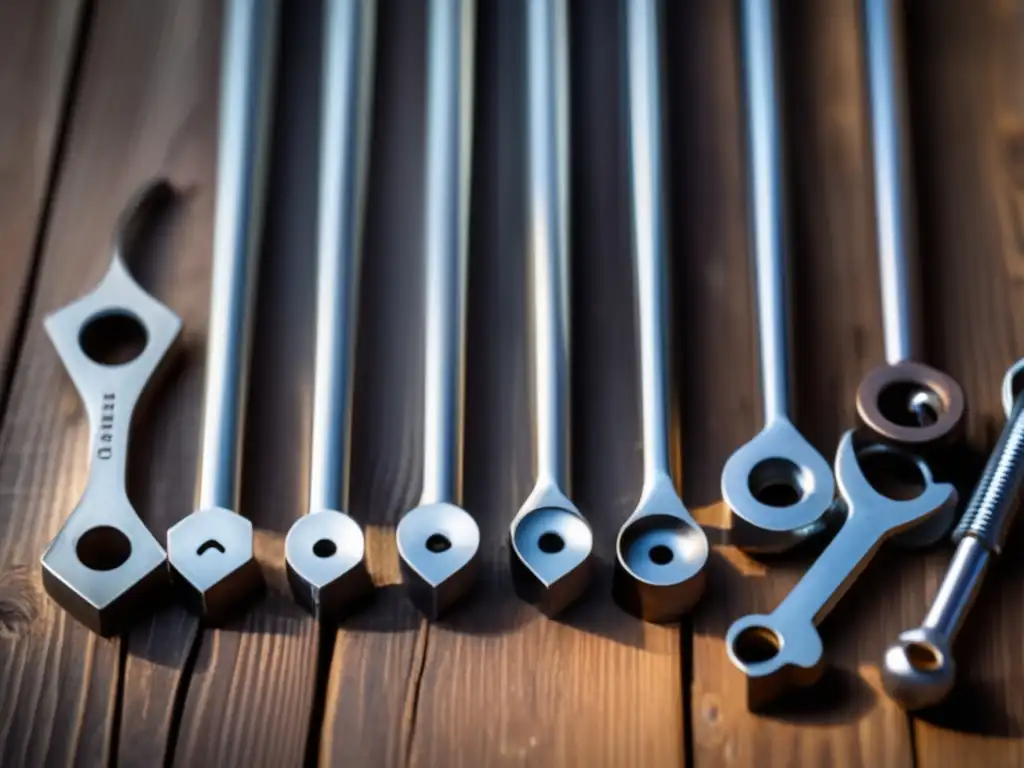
{"type": "Point", "coordinates": [551, 541]}
{"type": "Point", "coordinates": [324, 550]}
{"type": "Point", "coordinates": [904, 402]}
{"type": "Point", "coordinates": [104, 566]}
{"type": "Point", "coordinates": [778, 487]}
{"type": "Point", "coordinates": [660, 549]}
{"type": "Point", "coordinates": [211, 550]}
{"type": "Point", "coordinates": [783, 649]}
{"type": "Point", "coordinates": [919, 669]}
{"type": "Point", "coordinates": [438, 540]}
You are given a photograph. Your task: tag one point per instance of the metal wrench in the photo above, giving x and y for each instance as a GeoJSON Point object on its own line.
{"type": "Point", "coordinates": [784, 649]}
{"type": "Point", "coordinates": [778, 486]}
{"type": "Point", "coordinates": [438, 540]}
{"type": "Point", "coordinates": [919, 669]}
{"type": "Point", "coordinates": [661, 551]}
{"type": "Point", "coordinates": [324, 550]}
{"type": "Point", "coordinates": [104, 565]}
{"type": "Point", "coordinates": [551, 541]}
{"type": "Point", "coordinates": [211, 550]}
{"type": "Point", "coordinates": [904, 402]}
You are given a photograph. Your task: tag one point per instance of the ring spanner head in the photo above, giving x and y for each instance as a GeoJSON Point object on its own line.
{"type": "Point", "coordinates": [324, 554]}
{"type": "Point", "coordinates": [779, 490]}
{"type": "Point", "coordinates": [104, 564]}
{"type": "Point", "coordinates": [911, 404]}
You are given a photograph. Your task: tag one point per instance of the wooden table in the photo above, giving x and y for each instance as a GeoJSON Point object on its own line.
{"type": "Point", "coordinates": [98, 95]}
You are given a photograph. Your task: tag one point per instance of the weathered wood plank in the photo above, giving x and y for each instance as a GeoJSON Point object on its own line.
{"type": "Point", "coordinates": [132, 120]}
{"type": "Point", "coordinates": [969, 127]}
{"type": "Point", "coordinates": [846, 720]}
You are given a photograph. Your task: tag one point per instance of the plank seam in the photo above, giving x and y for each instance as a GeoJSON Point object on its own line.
{"type": "Point", "coordinates": [181, 697]}
{"type": "Point", "coordinates": [318, 708]}
{"type": "Point", "coordinates": [419, 664]}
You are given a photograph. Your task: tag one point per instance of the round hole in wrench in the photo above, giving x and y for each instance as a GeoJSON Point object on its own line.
{"type": "Point", "coordinates": [923, 657]}
{"type": "Point", "coordinates": [777, 482]}
{"type": "Point", "coordinates": [909, 404]}
{"type": "Point", "coordinates": [113, 338]}
{"type": "Point", "coordinates": [324, 548]}
{"type": "Point", "coordinates": [756, 644]}
{"type": "Point", "coordinates": [550, 543]}
{"type": "Point", "coordinates": [893, 474]}
{"type": "Point", "coordinates": [438, 542]}
{"type": "Point", "coordinates": [660, 554]}
{"type": "Point", "coordinates": [103, 548]}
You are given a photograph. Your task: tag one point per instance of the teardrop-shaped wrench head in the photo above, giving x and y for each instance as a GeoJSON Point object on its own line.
{"type": "Point", "coordinates": [324, 553]}
{"type": "Point", "coordinates": [911, 405]}
{"type": "Point", "coordinates": [211, 554]}
{"type": "Point", "coordinates": [551, 550]}
{"type": "Point", "coordinates": [919, 670]}
{"type": "Point", "coordinates": [779, 489]}
{"type": "Point", "coordinates": [104, 567]}
{"type": "Point", "coordinates": [660, 557]}
{"type": "Point", "coordinates": [438, 545]}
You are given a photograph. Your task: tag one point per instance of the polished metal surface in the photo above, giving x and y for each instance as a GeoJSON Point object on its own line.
{"type": "Point", "coordinates": [324, 550]}
{"type": "Point", "coordinates": [919, 669]}
{"type": "Point", "coordinates": [104, 566]}
{"type": "Point", "coordinates": [211, 550]}
{"type": "Point", "coordinates": [551, 540]}
{"type": "Point", "coordinates": [438, 540]}
{"type": "Point", "coordinates": [912, 405]}
{"type": "Point", "coordinates": [660, 550]}
{"type": "Point", "coordinates": [783, 649]}
{"type": "Point", "coordinates": [779, 488]}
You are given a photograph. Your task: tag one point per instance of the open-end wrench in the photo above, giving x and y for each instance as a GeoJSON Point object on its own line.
{"type": "Point", "coordinates": [324, 550]}
{"type": "Point", "coordinates": [551, 540]}
{"type": "Point", "coordinates": [778, 486]}
{"type": "Point", "coordinates": [919, 669]}
{"type": "Point", "coordinates": [211, 550]}
{"type": "Point", "coordinates": [905, 402]}
{"type": "Point", "coordinates": [104, 565]}
{"type": "Point", "coordinates": [438, 540]}
{"type": "Point", "coordinates": [660, 550]}
{"type": "Point", "coordinates": [784, 649]}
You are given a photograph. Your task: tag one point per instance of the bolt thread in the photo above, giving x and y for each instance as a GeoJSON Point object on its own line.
{"type": "Point", "coordinates": [990, 511]}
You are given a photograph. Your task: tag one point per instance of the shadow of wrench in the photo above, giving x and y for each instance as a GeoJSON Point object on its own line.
{"type": "Point", "coordinates": [324, 550]}
{"type": "Point", "coordinates": [438, 540]}
{"type": "Point", "coordinates": [551, 540]}
{"type": "Point", "coordinates": [784, 649]}
{"type": "Point", "coordinates": [778, 487]}
{"type": "Point", "coordinates": [211, 550]}
{"type": "Point", "coordinates": [104, 566]}
{"type": "Point", "coordinates": [660, 550]}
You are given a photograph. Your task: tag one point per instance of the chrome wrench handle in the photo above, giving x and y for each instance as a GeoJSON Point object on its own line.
{"type": "Point", "coordinates": [779, 488]}
{"type": "Point", "coordinates": [660, 550]}
{"type": "Point", "coordinates": [783, 648]}
{"type": "Point", "coordinates": [211, 550]}
{"type": "Point", "coordinates": [551, 540]}
{"type": "Point", "coordinates": [324, 551]}
{"type": "Point", "coordinates": [104, 566]}
{"type": "Point", "coordinates": [438, 540]}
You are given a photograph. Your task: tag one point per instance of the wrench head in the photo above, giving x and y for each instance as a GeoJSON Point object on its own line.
{"type": "Point", "coordinates": [211, 555]}
{"type": "Point", "coordinates": [918, 670]}
{"type": "Point", "coordinates": [779, 489]}
{"type": "Point", "coordinates": [106, 570]}
{"type": "Point", "coordinates": [324, 556]}
{"type": "Point", "coordinates": [911, 405]}
{"type": "Point", "coordinates": [773, 661]}
{"type": "Point", "coordinates": [551, 551]}
{"type": "Point", "coordinates": [438, 545]}
{"type": "Point", "coordinates": [660, 557]}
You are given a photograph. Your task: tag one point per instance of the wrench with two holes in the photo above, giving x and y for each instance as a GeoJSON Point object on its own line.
{"type": "Point", "coordinates": [783, 649]}
{"type": "Point", "coordinates": [551, 540]}
{"type": "Point", "coordinates": [211, 550]}
{"type": "Point", "coordinates": [778, 487]}
{"type": "Point", "coordinates": [660, 550]}
{"type": "Point", "coordinates": [324, 550]}
{"type": "Point", "coordinates": [438, 540]}
{"type": "Point", "coordinates": [104, 566]}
